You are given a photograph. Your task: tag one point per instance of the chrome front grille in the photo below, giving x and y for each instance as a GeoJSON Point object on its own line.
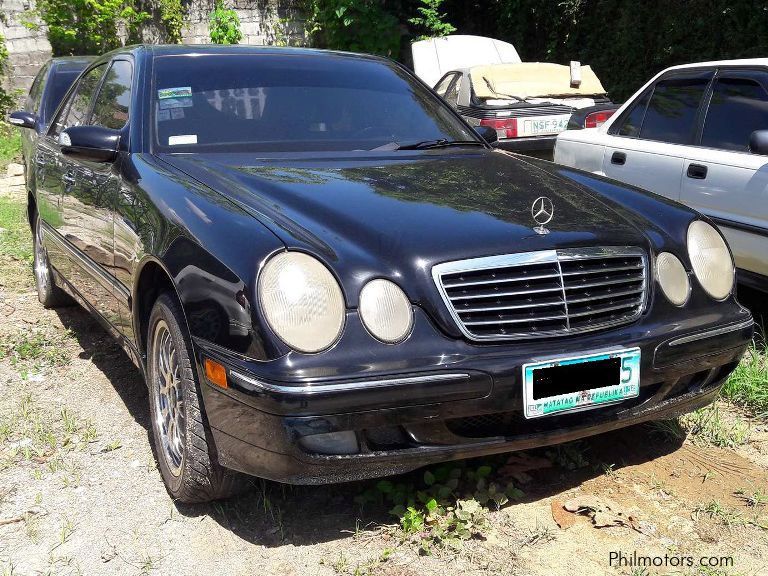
{"type": "Point", "coordinates": [546, 293]}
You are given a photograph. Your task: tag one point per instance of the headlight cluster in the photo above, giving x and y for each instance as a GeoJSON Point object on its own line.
{"type": "Point", "coordinates": [304, 305]}
{"type": "Point", "coordinates": [711, 262]}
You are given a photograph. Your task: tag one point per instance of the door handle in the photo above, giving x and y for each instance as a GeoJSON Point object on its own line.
{"type": "Point", "coordinates": [618, 158]}
{"type": "Point", "coordinates": [696, 171]}
{"type": "Point", "coordinates": [68, 178]}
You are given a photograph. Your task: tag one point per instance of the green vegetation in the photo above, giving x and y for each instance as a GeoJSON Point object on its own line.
{"type": "Point", "coordinates": [446, 505]}
{"type": "Point", "coordinates": [354, 25]}
{"type": "Point", "coordinates": [10, 143]}
{"type": "Point", "coordinates": [709, 426]}
{"type": "Point", "coordinates": [224, 25]}
{"type": "Point", "coordinates": [15, 246]}
{"type": "Point", "coordinates": [171, 14]}
{"type": "Point", "coordinates": [431, 20]}
{"type": "Point", "coordinates": [748, 385]}
{"type": "Point", "coordinates": [6, 100]}
{"type": "Point", "coordinates": [89, 26]}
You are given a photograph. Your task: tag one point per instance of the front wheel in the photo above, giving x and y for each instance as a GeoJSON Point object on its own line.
{"type": "Point", "coordinates": [180, 430]}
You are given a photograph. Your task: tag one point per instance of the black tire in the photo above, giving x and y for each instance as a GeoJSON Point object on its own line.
{"type": "Point", "coordinates": [50, 295]}
{"type": "Point", "coordinates": [187, 460]}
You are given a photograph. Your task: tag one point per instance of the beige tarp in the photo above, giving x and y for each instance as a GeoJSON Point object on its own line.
{"type": "Point", "coordinates": [532, 79]}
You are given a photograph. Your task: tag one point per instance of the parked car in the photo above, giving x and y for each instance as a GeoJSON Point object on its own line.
{"type": "Point", "coordinates": [698, 134]}
{"type": "Point", "coordinates": [386, 290]}
{"type": "Point", "coordinates": [527, 103]}
{"type": "Point", "coordinates": [48, 88]}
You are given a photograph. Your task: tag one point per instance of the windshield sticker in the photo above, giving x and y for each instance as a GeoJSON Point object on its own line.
{"type": "Point", "coordinates": [182, 139]}
{"type": "Point", "coordinates": [176, 113]}
{"type": "Point", "coordinates": [169, 98]}
{"type": "Point", "coordinates": [163, 115]}
{"type": "Point", "coordinates": [166, 93]}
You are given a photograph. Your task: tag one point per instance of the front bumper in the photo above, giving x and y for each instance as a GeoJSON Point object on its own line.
{"type": "Point", "coordinates": [465, 405]}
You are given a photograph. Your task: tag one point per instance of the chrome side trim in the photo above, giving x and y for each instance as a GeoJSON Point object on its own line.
{"type": "Point", "coordinates": [103, 277]}
{"type": "Point", "coordinates": [555, 257]}
{"type": "Point", "coordinates": [712, 333]}
{"type": "Point", "coordinates": [310, 389]}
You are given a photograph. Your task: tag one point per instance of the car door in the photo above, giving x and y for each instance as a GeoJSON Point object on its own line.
{"type": "Point", "coordinates": [721, 177]}
{"type": "Point", "coordinates": [445, 88]}
{"type": "Point", "coordinates": [32, 104]}
{"type": "Point", "coordinates": [53, 171]}
{"type": "Point", "coordinates": [646, 147]}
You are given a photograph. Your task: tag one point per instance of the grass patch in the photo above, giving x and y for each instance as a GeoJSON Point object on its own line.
{"type": "Point", "coordinates": [709, 426]}
{"type": "Point", "coordinates": [748, 384]}
{"type": "Point", "coordinates": [10, 145]}
{"type": "Point", "coordinates": [15, 246]}
{"type": "Point", "coordinates": [31, 432]}
{"type": "Point", "coordinates": [35, 349]}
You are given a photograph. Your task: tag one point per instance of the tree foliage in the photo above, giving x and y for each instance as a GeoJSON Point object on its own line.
{"type": "Point", "coordinates": [431, 20]}
{"type": "Point", "coordinates": [224, 25]}
{"type": "Point", "coordinates": [625, 41]}
{"type": "Point", "coordinates": [6, 100]}
{"type": "Point", "coordinates": [354, 25]}
{"type": "Point", "coordinates": [77, 27]}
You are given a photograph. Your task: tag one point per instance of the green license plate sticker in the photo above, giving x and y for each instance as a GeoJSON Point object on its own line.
{"type": "Point", "coordinates": [626, 386]}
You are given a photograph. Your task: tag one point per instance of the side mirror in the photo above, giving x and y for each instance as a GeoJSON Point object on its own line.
{"type": "Point", "coordinates": [93, 143]}
{"type": "Point", "coordinates": [488, 134]}
{"type": "Point", "coordinates": [758, 142]}
{"type": "Point", "coordinates": [23, 119]}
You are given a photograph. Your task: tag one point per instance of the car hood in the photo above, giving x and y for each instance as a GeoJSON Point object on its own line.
{"type": "Point", "coordinates": [398, 214]}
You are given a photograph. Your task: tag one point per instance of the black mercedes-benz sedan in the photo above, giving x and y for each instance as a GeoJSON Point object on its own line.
{"type": "Point", "coordinates": [325, 274]}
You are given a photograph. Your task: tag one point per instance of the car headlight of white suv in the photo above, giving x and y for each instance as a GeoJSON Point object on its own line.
{"type": "Point", "coordinates": [711, 260]}
{"type": "Point", "coordinates": [302, 301]}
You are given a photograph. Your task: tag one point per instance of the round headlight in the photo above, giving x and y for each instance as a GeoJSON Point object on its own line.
{"type": "Point", "coordinates": [710, 259]}
{"type": "Point", "coordinates": [672, 278]}
{"type": "Point", "coordinates": [386, 311]}
{"type": "Point", "coordinates": [301, 301]}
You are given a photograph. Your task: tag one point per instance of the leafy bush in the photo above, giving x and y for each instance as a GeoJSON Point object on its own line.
{"type": "Point", "coordinates": [431, 20]}
{"type": "Point", "coordinates": [625, 41]}
{"type": "Point", "coordinates": [6, 100]}
{"type": "Point", "coordinates": [77, 27]}
{"type": "Point", "coordinates": [354, 25]}
{"type": "Point", "coordinates": [224, 25]}
{"type": "Point", "coordinates": [449, 504]}
{"type": "Point", "coordinates": [172, 18]}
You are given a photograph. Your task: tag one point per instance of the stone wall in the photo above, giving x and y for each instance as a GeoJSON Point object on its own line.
{"type": "Point", "coordinates": [28, 48]}
{"type": "Point", "coordinates": [261, 22]}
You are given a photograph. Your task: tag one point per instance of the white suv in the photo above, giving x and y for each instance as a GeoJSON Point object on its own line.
{"type": "Point", "coordinates": [698, 134]}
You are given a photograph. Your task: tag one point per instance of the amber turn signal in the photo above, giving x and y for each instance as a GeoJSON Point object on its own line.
{"type": "Point", "coordinates": [216, 373]}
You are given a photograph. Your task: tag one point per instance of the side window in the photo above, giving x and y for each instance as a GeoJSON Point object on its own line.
{"type": "Point", "coordinates": [111, 107]}
{"type": "Point", "coordinates": [36, 91]}
{"type": "Point", "coordinates": [632, 122]}
{"type": "Point", "coordinates": [74, 112]}
{"type": "Point", "coordinates": [452, 95]}
{"type": "Point", "coordinates": [442, 86]}
{"type": "Point", "coordinates": [739, 106]}
{"type": "Point", "coordinates": [672, 109]}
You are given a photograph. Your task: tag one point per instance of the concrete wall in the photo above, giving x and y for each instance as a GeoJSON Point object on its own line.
{"type": "Point", "coordinates": [28, 48]}
{"type": "Point", "coordinates": [261, 22]}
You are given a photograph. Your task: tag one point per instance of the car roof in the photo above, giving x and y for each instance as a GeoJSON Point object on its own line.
{"type": "Point", "coordinates": [189, 49]}
{"type": "Point", "coordinates": [71, 62]}
{"type": "Point", "coordinates": [740, 62]}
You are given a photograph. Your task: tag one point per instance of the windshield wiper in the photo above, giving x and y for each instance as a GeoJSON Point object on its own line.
{"type": "Point", "coordinates": [429, 144]}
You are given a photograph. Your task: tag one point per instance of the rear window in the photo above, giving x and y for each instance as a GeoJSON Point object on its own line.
{"type": "Point", "coordinates": [672, 110]}
{"type": "Point", "coordinates": [59, 84]}
{"type": "Point", "coordinates": [739, 106]}
{"type": "Point", "coordinates": [292, 103]}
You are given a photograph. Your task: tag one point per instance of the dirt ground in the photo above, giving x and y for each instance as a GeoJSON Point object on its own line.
{"type": "Point", "coordinates": [80, 492]}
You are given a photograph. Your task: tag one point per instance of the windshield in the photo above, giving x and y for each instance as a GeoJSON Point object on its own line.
{"type": "Point", "coordinates": [274, 103]}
